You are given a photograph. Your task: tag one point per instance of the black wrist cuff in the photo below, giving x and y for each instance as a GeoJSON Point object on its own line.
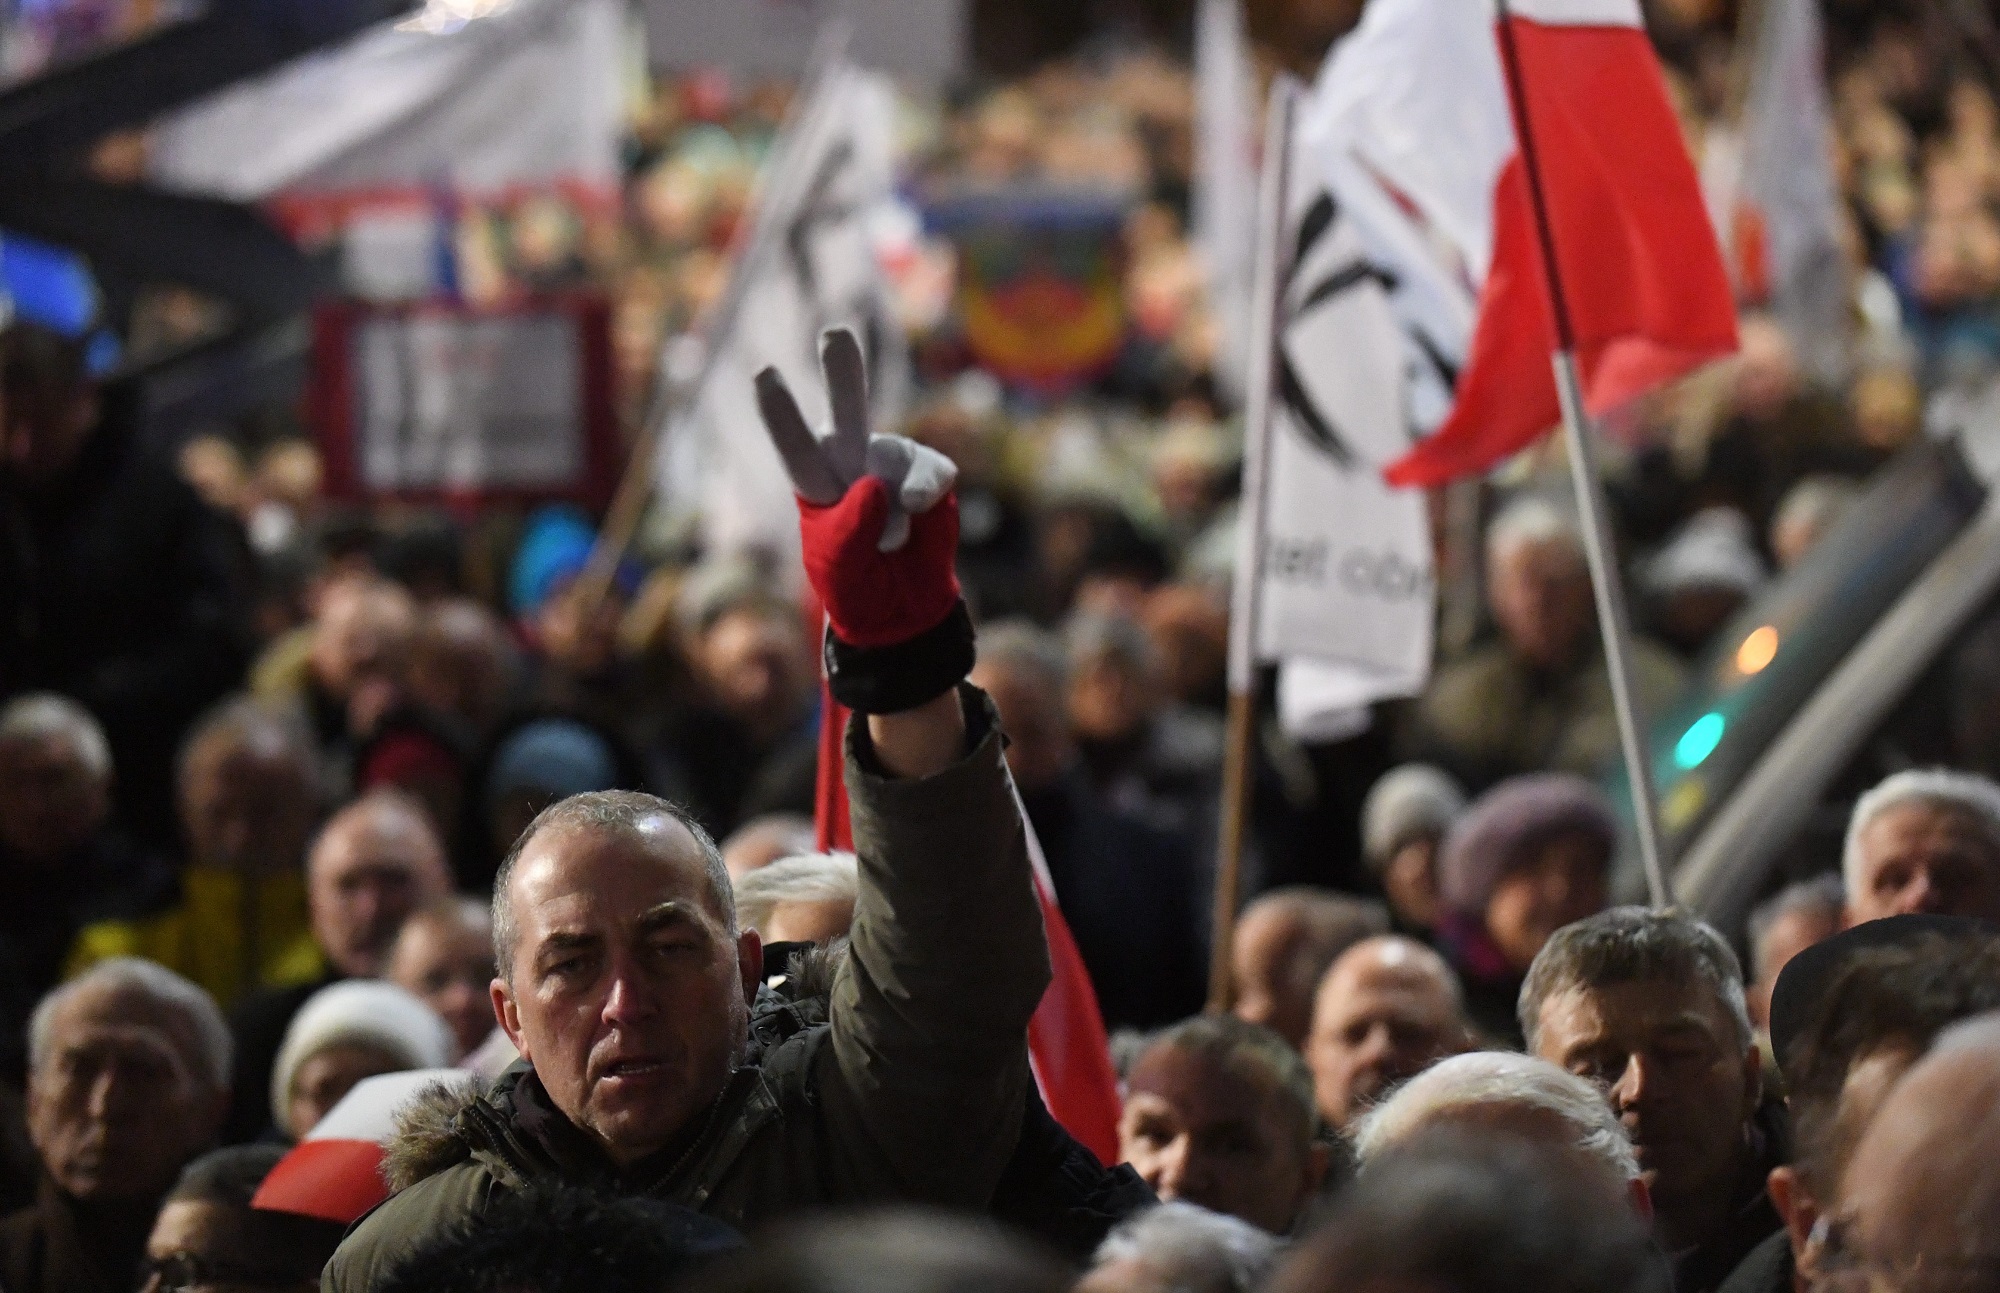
{"type": "Point", "coordinates": [891, 679]}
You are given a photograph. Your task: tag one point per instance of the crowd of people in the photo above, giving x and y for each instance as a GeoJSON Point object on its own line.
{"type": "Point", "coordinates": [294, 794]}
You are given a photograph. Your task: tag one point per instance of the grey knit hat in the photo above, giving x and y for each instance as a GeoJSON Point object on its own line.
{"type": "Point", "coordinates": [1407, 802]}
{"type": "Point", "coordinates": [1506, 826]}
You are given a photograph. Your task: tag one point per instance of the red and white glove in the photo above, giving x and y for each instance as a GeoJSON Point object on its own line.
{"type": "Point", "coordinates": [880, 526]}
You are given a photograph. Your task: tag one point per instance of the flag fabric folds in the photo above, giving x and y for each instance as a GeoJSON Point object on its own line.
{"type": "Point", "coordinates": [335, 1173]}
{"type": "Point", "coordinates": [1415, 110]}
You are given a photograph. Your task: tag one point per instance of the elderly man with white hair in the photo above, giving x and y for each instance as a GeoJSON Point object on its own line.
{"type": "Point", "coordinates": [63, 863]}
{"type": "Point", "coordinates": [1924, 842]}
{"type": "Point", "coordinates": [128, 1081]}
{"type": "Point", "coordinates": [1180, 1247]}
{"type": "Point", "coordinates": [1515, 1094]}
{"type": "Point", "coordinates": [1538, 699]}
{"type": "Point", "coordinates": [804, 899]}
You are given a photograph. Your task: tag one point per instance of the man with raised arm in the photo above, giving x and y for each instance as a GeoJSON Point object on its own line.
{"type": "Point", "coordinates": [650, 1064]}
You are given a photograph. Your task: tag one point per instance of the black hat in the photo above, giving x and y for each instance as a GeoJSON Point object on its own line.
{"type": "Point", "coordinates": [1804, 981]}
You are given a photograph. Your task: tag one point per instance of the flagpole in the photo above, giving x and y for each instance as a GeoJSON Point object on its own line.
{"type": "Point", "coordinates": [1272, 196]}
{"type": "Point", "coordinates": [1613, 621]}
{"type": "Point", "coordinates": [679, 382]}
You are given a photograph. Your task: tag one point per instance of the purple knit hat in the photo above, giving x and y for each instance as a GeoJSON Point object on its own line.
{"type": "Point", "coordinates": [1506, 826]}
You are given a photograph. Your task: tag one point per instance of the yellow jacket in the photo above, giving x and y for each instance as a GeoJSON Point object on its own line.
{"type": "Point", "coordinates": [231, 934]}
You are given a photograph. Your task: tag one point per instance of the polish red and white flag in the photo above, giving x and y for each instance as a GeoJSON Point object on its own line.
{"type": "Point", "coordinates": [1426, 120]}
{"type": "Point", "coordinates": [335, 1173]}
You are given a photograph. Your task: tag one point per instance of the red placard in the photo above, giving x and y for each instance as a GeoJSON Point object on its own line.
{"type": "Point", "coordinates": [445, 403]}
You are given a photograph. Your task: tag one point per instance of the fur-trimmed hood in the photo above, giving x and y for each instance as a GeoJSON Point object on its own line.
{"type": "Point", "coordinates": [428, 1138]}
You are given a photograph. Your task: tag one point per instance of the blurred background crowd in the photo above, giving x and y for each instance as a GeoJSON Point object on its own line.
{"type": "Point", "coordinates": [277, 737]}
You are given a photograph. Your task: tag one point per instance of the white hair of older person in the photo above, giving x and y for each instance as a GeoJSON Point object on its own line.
{"type": "Point", "coordinates": [44, 715]}
{"type": "Point", "coordinates": [1966, 793]}
{"type": "Point", "coordinates": [1465, 1086]}
{"type": "Point", "coordinates": [1190, 1248]}
{"type": "Point", "coordinates": [809, 877]}
{"type": "Point", "coordinates": [1528, 521]}
{"type": "Point", "coordinates": [156, 983]}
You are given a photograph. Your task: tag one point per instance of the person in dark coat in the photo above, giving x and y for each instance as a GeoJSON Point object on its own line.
{"type": "Point", "coordinates": [1529, 857]}
{"type": "Point", "coordinates": [1129, 886]}
{"type": "Point", "coordinates": [62, 865]}
{"type": "Point", "coordinates": [128, 1082]}
{"type": "Point", "coordinates": [119, 586]}
{"type": "Point", "coordinates": [1850, 1016]}
{"type": "Point", "coordinates": [1649, 1005]}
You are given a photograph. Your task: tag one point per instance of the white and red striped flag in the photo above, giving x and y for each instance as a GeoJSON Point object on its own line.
{"type": "Point", "coordinates": [1414, 123]}
{"type": "Point", "coordinates": [335, 1173]}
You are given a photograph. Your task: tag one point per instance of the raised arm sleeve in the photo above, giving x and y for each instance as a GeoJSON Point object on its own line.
{"type": "Point", "coordinates": [926, 1077]}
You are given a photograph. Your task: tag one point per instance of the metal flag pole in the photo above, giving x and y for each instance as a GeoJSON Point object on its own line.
{"type": "Point", "coordinates": [1273, 195]}
{"type": "Point", "coordinates": [1613, 622]}
{"type": "Point", "coordinates": [679, 380]}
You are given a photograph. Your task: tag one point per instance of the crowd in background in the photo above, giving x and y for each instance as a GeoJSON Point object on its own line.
{"type": "Point", "coordinates": [279, 746]}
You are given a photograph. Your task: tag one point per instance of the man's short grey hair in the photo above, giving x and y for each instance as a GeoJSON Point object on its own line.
{"type": "Point", "coordinates": [627, 812]}
{"type": "Point", "coordinates": [809, 877]}
{"type": "Point", "coordinates": [1408, 802]}
{"type": "Point", "coordinates": [1093, 635]}
{"type": "Point", "coordinates": [1966, 793]}
{"type": "Point", "coordinates": [1531, 519]}
{"type": "Point", "coordinates": [1635, 945]}
{"type": "Point", "coordinates": [157, 983]}
{"type": "Point", "coordinates": [44, 715]}
{"type": "Point", "coordinates": [1823, 895]}
{"type": "Point", "coordinates": [1195, 1250]}
{"type": "Point", "coordinates": [1494, 1080]}
{"type": "Point", "coordinates": [1236, 1045]}
{"type": "Point", "coordinates": [267, 729]}
{"type": "Point", "coordinates": [1021, 644]}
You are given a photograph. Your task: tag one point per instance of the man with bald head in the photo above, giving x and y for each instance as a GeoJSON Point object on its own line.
{"type": "Point", "coordinates": [374, 863]}
{"type": "Point", "coordinates": [128, 1078]}
{"type": "Point", "coordinates": [1920, 1198]}
{"type": "Point", "coordinates": [1387, 1009]}
{"type": "Point", "coordinates": [1285, 940]}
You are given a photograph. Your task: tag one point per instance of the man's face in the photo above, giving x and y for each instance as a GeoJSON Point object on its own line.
{"type": "Point", "coordinates": [1274, 977]}
{"type": "Point", "coordinates": [118, 1104]}
{"type": "Point", "coordinates": [1563, 883]}
{"type": "Point", "coordinates": [1788, 935]}
{"type": "Point", "coordinates": [1382, 1017]}
{"type": "Point", "coordinates": [247, 810]}
{"type": "Point", "coordinates": [368, 873]}
{"type": "Point", "coordinates": [213, 1243]}
{"type": "Point", "coordinates": [754, 662]}
{"type": "Point", "coordinates": [1109, 699]}
{"type": "Point", "coordinates": [1038, 737]}
{"type": "Point", "coordinates": [1677, 1073]}
{"type": "Point", "coordinates": [1925, 858]}
{"type": "Point", "coordinates": [1919, 1207]}
{"type": "Point", "coordinates": [50, 801]}
{"type": "Point", "coordinates": [449, 964]}
{"type": "Point", "coordinates": [1797, 1198]}
{"type": "Point", "coordinates": [1540, 597]}
{"type": "Point", "coordinates": [628, 994]}
{"type": "Point", "coordinates": [1199, 1132]}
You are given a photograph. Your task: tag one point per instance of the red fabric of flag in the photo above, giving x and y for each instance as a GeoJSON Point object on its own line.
{"type": "Point", "coordinates": [1648, 296]}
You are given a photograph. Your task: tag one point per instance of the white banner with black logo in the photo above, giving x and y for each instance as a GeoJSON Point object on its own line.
{"type": "Point", "coordinates": [810, 265]}
{"type": "Point", "coordinates": [1346, 569]}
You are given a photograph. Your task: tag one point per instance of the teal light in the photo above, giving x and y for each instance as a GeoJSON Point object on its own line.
{"type": "Point", "coordinates": [1700, 740]}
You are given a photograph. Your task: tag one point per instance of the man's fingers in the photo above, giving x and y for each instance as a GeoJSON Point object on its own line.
{"type": "Point", "coordinates": [812, 475]}
{"type": "Point", "coordinates": [929, 478]}
{"type": "Point", "coordinates": [847, 391]}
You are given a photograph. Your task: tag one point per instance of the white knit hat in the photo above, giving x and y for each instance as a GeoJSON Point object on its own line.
{"type": "Point", "coordinates": [366, 1012]}
{"type": "Point", "coordinates": [1414, 799]}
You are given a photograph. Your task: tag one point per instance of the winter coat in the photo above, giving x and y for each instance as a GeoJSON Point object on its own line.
{"type": "Point", "coordinates": [913, 1091]}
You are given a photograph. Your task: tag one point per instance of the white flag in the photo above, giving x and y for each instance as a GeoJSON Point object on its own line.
{"type": "Point", "coordinates": [808, 265]}
{"type": "Point", "coordinates": [1225, 196]}
{"type": "Point", "coordinates": [1347, 590]}
{"type": "Point", "coordinates": [529, 94]}
{"type": "Point", "coordinates": [1788, 177]}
